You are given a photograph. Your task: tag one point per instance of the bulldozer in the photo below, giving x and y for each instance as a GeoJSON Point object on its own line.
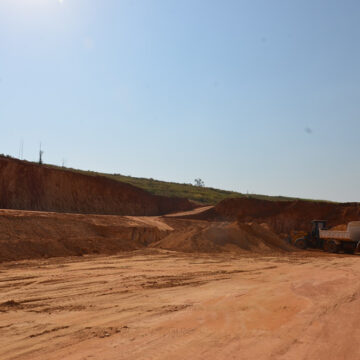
{"type": "Point", "coordinates": [332, 241]}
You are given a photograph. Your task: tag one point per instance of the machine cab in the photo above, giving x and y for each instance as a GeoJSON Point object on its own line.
{"type": "Point", "coordinates": [316, 226]}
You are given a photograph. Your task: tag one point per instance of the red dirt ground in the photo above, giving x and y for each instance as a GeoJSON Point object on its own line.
{"type": "Point", "coordinates": [214, 283]}
{"type": "Point", "coordinates": [167, 305]}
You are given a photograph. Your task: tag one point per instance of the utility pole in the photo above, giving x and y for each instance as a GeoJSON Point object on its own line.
{"type": "Point", "coordinates": [40, 155]}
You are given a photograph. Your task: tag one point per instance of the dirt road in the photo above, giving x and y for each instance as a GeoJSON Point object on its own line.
{"type": "Point", "coordinates": [163, 305]}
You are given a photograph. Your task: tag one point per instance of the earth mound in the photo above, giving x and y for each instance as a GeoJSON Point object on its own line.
{"type": "Point", "coordinates": [30, 186]}
{"type": "Point", "coordinates": [30, 235]}
{"type": "Point", "coordinates": [202, 236]}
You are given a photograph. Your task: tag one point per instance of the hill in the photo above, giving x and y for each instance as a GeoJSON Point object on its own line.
{"type": "Point", "coordinates": [200, 194]}
{"type": "Point", "coordinates": [30, 186]}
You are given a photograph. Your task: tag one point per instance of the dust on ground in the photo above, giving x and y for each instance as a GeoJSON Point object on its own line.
{"type": "Point", "coordinates": [156, 304]}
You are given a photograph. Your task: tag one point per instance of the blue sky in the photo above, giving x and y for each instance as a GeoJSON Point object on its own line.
{"type": "Point", "coordinates": [252, 96]}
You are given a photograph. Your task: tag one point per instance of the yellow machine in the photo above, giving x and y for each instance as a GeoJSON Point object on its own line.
{"type": "Point", "coordinates": [331, 240]}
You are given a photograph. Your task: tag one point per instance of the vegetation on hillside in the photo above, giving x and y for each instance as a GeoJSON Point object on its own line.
{"type": "Point", "coordinates": [200, 194]}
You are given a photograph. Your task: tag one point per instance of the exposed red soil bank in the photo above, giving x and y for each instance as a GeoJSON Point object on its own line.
{"type": "Point", "coordinates": [28, 234]}
{"type": "Point", "coordinates": [29, 186]}
{"type": "Point", "coordinates": [31, 235]}
{"type": "Point", "coordinates": [282, 216]}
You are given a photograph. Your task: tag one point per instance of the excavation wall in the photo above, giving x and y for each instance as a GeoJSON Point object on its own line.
{"type": "Point", "coordinates": [29, 186]}
{"type": "Point", "coordinates": [282, 216]}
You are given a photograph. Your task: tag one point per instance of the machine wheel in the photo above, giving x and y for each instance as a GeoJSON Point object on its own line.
{"type": "Point", "coordinates": [331, 246]}
{"type": "Point", "coordinates": [301, 243]}
{"type": "Point", "coordinates": [349, 248]}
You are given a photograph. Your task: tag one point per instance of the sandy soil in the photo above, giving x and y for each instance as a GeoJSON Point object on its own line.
{"type": "Point", "coordinates": [163, 305]}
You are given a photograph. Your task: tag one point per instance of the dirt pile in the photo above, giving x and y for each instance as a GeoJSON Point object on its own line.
{"type": "Point", "coordinates": [28, 235]}
{"type": "Point", "coordinates": [283, 217]}
{"type": "Point", "coordinates": [202, 236]}
{"type": "Point", "coordinates": [29, 186]}
{"type": "Point", "coordinates": [31, 235]}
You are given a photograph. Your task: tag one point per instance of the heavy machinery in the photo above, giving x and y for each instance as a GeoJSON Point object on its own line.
{"type": "Point", "coordinates": [331, 240]}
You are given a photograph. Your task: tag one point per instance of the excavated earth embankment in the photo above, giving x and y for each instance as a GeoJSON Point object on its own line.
{"type": "Point", "coordinates": [30, 234]}
{"type": "Point", "coordinates": [30, 186]}
{"type": "Point", "coordinates": [282, 217]}
{"type": "Point", "coordinates": [76, 214]}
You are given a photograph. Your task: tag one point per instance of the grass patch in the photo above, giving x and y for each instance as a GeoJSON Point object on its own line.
{"type": "Point", "coordinates": [203, 195]}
